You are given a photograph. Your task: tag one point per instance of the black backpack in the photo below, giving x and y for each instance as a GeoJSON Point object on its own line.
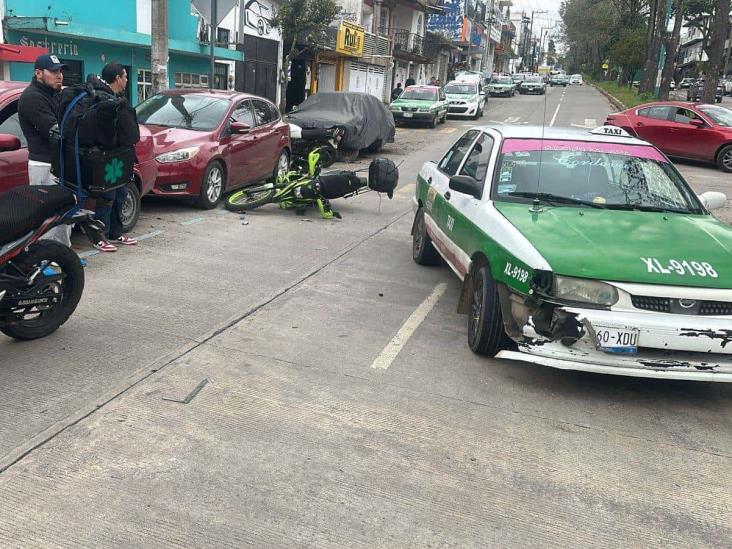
{"type": "Point", "coordinates": [102, 119]}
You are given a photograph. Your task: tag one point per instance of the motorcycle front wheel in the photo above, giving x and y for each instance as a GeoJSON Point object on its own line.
{"type": "Point", "coordinates": [62, 274]}
{"type": "Point", "coordinates": [249, 198]}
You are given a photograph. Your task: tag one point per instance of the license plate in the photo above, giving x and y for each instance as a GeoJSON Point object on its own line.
{"type": "Point", "coordinates": [407, 115]}
{"type": "Point", "coordinates": [616, 340]}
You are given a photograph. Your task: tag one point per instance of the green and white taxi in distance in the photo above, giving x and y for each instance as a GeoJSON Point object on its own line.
{"type": "Point", "coordinates": [420, 104]}
{"type": "Point", "coordinates": [465, 99]}
{"type": "Point", "coordinates": [581, 250]}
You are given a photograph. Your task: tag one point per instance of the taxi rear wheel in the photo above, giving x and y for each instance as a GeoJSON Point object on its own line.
{"type": "Point", "coordinates": [423, 252]}
{"type": "Point", "coordinates": [485, 323]}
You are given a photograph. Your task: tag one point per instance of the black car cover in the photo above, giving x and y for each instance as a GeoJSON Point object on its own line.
{"type": "Point", "coordinates": [364, 118]}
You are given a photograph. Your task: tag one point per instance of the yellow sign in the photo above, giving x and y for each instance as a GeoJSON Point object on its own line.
{"type": "Point", "coordinates": [605, 66]}
{"type": "Point", "coordinates": [350, 39]}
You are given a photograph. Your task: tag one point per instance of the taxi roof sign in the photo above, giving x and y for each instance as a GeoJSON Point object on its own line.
{"type": "Point", "coordinates": [611, 130]}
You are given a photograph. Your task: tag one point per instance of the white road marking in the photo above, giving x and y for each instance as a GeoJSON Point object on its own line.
{"type": "Point", "coordinates": [512, 119]}
{"type": "Point", "coordinates": [556, 112]}
{"type": "Point", "coordinates": [145, 236]}
{"type": "Point", "coordinates": [192, 221]}
{"type": "Point", "coordinates": [393, 348]}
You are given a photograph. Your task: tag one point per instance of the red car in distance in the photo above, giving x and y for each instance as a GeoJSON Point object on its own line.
{"type": "Point", "coordinates": [682, 130]}
{"type": "Point", "coordinates": [14, 164]}
{"type": "Point", "coordinates": [209, 142]}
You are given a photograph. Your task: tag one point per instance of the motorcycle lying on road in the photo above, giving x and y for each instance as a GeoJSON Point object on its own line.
{"type": "Point", "coordinates": [41, 281]}
{"type": "Point", "coordinates": [300, 188]}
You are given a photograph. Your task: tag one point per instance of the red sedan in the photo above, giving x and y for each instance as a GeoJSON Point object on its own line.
{"type": "Point", "coordinates": [682, 130]}
{"type": "Point", "coordinates": [210, 142]}
{"type": "Point", "coordinates": [14, 164]}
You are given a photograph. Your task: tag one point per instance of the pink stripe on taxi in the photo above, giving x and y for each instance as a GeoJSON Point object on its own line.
{"type": "Point", "coordinates": [526, 145]}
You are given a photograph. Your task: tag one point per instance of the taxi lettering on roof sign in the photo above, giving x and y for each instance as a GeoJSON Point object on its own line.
{"type": "Point", "coordinates": [579, 250]}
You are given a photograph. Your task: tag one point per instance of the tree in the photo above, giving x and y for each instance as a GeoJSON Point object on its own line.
{"type": "Point", "coordinates": [302, 24]}
{"type": "Point", "coordinates": [657, 24]}
{"type": "Point", "coordinates": [627, 52]}
{"type": "Point", "coordinates": [671, 42]}
{"type": "Point", "coordinates": [551, 53]}
{"type": "Point", "coordinates": [719, 31]}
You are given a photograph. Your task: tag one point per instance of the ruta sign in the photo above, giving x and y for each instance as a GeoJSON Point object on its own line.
{"type": "Point", "coordinates": [350, 39]}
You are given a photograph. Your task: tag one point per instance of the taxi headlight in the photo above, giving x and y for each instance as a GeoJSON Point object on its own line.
{"type": "Point", "coordinates": [584, 290]}
{"type": "Point", "coordinates": [424, 109]}
{"type": "Point", "coordinates": [178, 156]}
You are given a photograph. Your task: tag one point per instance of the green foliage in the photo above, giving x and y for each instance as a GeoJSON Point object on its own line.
{"type": "Point", "coordinates": [629, 50]}
{"type": "Point", "coordinates": [626, 95]}
{"type": "Point", "coordinates": [304, 21]}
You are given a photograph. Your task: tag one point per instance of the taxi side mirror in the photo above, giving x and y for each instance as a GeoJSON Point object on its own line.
{"type": "Point", "coordinates": [466, 185]}
{"type": "Point", "coordinates": [713, 200]}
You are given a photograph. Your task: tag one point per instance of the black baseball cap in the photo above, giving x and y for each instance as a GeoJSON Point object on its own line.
{"type": "Point", "coordinates": [49, 62]}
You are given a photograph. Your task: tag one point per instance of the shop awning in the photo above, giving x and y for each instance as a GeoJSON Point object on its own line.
{"type": "Point", "coordinates": [20, 54]}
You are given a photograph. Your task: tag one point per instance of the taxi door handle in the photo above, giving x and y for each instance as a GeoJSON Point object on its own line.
{"type": "Point", "coordinates": [429, 181]}
{"type": "Point", "coordinates": [447, 195]}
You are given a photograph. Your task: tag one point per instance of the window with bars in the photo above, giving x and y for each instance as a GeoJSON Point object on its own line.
{"type": "Point", "coordinates": [144, 84]}
{"type": "Point", "coordinates": [223, 37]}
{"type": "Point", "coordinates": [190, 80]}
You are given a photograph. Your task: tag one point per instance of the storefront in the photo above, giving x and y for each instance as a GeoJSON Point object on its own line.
{"type": "Point", "coordinates": [86, 56]}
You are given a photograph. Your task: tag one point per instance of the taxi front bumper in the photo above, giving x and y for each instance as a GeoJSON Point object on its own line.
{"type": "Point", "coordinates": [413, 115]}
{"type": "Point", "coordinates": [463, 109]}
{"type": "Point", "coordinates": [669, 346]}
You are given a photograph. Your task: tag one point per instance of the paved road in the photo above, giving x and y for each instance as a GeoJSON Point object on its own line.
{"type": "Point", "coordinates": [295, 439]}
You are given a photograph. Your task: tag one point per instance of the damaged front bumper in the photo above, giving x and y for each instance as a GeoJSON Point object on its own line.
{"type": "Point", "coordinates": [669, 346]}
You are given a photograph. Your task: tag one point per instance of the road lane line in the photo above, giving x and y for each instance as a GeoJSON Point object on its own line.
{"type": "Point", "coordinates": [192, 221]}
{"type": "Point", "coordinates": [556, 112]}
{"type": "Point", "coordinates": [145, 236]}
{"type": "Point", "coordinates": [392, 349]}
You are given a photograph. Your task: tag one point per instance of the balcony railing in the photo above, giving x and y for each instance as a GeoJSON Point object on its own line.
{"type": "Point", "coordinates": [408, 42]}
{"type": "Point", "coordinates": [375, 45]}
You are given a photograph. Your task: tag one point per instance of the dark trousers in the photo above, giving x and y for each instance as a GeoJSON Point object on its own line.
{"type": "Point", "coordinates": [107, 211]}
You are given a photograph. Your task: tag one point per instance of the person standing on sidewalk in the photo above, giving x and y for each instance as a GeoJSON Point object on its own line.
{"type": "Point", "coordinates": [36, 115]}
{"type": "Point", "coordinates": [113, 81]}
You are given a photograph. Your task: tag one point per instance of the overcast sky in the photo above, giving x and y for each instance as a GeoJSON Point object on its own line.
{"type": "Point", "coordinates": [552, 6]}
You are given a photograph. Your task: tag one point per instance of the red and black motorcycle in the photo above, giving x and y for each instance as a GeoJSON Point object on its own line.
{"type": "Point", "coordinates": [41, 281]}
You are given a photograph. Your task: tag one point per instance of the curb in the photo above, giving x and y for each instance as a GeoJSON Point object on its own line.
{"type": "Point", "coordinates": [614, 101]}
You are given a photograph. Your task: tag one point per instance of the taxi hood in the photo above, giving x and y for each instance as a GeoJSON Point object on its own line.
{"type": "Point", "coordinates": [628, 246]}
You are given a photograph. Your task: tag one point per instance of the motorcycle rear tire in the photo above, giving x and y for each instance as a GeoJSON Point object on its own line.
{"type": "Point", "coordinates": [249, 198]}
{"type": "Point", "coordinates": [51, 320]}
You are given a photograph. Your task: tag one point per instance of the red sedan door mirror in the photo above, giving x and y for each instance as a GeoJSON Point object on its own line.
{"type": "Point", "coordinates": [9, 142]}
{"type": "Point", "coordinates": [696, 122]}
{"type": "Point", "coordinates": [240, 127]}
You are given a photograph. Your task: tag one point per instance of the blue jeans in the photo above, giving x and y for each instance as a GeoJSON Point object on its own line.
{"type": "Point", "coordinates": [107, 211]}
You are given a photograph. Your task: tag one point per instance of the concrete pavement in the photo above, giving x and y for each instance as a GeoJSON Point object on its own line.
{"type": "Point", "coordinates": [295, 440]}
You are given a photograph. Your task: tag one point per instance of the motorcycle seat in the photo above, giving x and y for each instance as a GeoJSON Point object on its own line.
{"type": "Point", "coordinates": [23, 209]}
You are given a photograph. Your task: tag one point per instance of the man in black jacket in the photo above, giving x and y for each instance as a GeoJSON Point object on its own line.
{"type": "Point", "coordinates": [36, 115]}
{"type": "Point", "coordinates": [113, 81]}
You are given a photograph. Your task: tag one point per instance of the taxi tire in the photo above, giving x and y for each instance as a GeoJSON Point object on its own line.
{"type": "Point", "coordinates": [486, 335]}
{"type": "Point", "coordinates": [433, 122]}
{"type": "Point", "coordinates": [423, 252]}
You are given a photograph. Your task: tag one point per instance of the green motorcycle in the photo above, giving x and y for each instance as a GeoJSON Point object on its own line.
{"type": "Point", "coordinates": [304, 186]}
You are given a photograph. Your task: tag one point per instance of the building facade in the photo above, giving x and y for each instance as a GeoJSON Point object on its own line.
{"type": "Point", "coordinates": [86, 37]}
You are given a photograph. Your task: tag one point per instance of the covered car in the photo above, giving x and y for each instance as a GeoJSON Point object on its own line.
{"type": "Point", "coordinates": [365, 120]}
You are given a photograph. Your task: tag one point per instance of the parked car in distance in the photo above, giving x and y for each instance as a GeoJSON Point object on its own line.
{"type": "Point", "coordinates": [728, 86]}
{"type": "Point", "coordinates": [421, 104]}
{"type": "Point", "coordinates": [501, 85]}
{"type": "Point", "coordinates": [672, 84]}
{"type": "Point", "coordinates": [682, 130]}
{"type": "Point", "coordinates": [576, 79]}
{"type": "Point", "coordinates": [209, 142]}
{"type": "Point", "coordinates": [518, 78]}
{"type": "Point", "coordinates": [559, 80]}
{"type": "Point", "coordinates": [14, 163]}
{"type": "Point", "coordinates": [465, 99]}
{"type": "Point", "coordinates": [696, 90]}
{"type": "Point", "coordinates": [685, 83]}
{"type": "Point", "coordinates": [532, 84]}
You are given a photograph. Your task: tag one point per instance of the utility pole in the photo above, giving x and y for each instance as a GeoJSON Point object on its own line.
{"type": "Point", "coordinates": [214, 22]}
{"type": "Point", "coordinates": [159, 49]}
{"type": "Point", "coordinates": [531, 31]}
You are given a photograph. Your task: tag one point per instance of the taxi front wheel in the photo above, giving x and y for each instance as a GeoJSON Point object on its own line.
{"type": "Point", "coordinates": [486, 335]}
{"type": "Point", "coordinates": [423, 252]}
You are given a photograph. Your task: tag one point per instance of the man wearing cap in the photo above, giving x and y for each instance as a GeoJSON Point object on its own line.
{"type": "Point", "coordinates": [37, 114]}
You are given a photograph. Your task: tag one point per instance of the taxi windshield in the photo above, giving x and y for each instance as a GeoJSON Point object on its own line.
{"type": "Point", "coordinates": [533, 79]}
{"type": "Point", "coordinates": [590, 174]}
{"type": "Point", "coordinates": [461, 89]}
{"type": "Point", "coordinates": [721, 116]}
{"type": "Point", "coordinates": [502, 80]}
{"type": "Point", "coordinates": [420, 94]}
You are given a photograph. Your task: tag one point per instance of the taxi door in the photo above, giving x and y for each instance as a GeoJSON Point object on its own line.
{"type": "Point", "coordinates": [440, 217]}
{"type": "Point", "coordinates": [462, 211]}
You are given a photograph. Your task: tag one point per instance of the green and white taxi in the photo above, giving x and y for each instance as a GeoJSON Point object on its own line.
{"type": "Point", "coordinates": [420, 104]}
{"type": "Point", "coordinates": [581, 250]}
{"type": "Point", "coordinates": [501, 85]}
{"type": "Point", "coordinates": [465, 99]}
